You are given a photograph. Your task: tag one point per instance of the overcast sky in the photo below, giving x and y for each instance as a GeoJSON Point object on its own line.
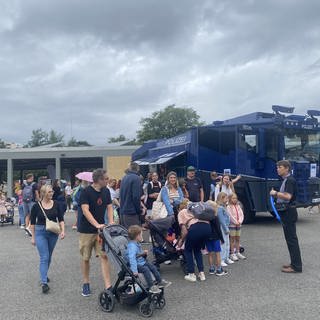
{"type": "Point", "coordinates": [93, 68]}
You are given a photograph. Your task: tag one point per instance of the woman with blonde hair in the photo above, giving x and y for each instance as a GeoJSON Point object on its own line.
{"type": "Point", "coordinates": [44, 240]}
{"type": "Point", "coordinates": [171, 193]}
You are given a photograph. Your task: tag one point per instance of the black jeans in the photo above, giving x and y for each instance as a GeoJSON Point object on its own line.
{"type": "Point", "coordinates": [197, 235]}
{"type": "Point", "coordinates": [289, 219]}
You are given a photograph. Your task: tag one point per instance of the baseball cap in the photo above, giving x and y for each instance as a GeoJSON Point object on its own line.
{"type": "Point", "coordinates": [191, 168]}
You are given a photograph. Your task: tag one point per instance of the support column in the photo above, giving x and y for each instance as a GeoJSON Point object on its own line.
{"type": "Point", "coordinates": [58, 168]}
{"type": "Point", "coordinates": [9, 178]}
{"type": "Point", "coordinates": [104, 162]}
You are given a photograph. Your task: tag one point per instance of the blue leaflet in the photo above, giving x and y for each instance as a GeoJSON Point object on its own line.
{"type": "Point", "coordinates": [275, 209]}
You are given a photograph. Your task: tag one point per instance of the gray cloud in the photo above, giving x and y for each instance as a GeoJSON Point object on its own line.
{"type": "Point", "coordinates": [94, 68]}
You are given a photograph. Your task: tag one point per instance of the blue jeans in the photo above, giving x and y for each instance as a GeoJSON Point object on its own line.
{"type": "Point", "coordinates": [197, 236]}
{"type": "Point", "coordinates": [225, 247]}
{"type": "Point", "coordinates": [22, 217]}
{"type": "Point", "coordinates": [147, 270]}
{"type": "Point", "coordinates": [45, 242]}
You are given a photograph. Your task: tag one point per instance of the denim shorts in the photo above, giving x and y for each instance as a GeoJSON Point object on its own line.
{"type": "Point", "coordinates": [27, 206]}
{"type": "Point", "coordinates": [213, 245]}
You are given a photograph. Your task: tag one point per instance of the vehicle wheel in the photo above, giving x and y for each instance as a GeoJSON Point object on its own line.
{"type": "Point", "coordinates": [249, 215]}
{"type": "Point", "coordinates": [107, 301]}
{"type": "Point", "coordinates": [146, 309]}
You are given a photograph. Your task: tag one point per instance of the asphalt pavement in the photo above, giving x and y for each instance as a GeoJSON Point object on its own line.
{"type": "Point", "coordinates": [253, 289]}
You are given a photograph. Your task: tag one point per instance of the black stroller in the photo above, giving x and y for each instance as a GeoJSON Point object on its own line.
{"type": "Point", "coordinates": [132, 290]}
{"type": "Point", "coordinates": [163, 249]}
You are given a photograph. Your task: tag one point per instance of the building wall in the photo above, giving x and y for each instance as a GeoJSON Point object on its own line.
{"type": "Point", "coordinates": [116, 165]}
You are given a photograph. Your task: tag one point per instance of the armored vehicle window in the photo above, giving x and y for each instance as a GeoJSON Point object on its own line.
{"type": "Point", "coordinates": [272, 145]}
{"type": "Point", "coordinates": [248, 142]}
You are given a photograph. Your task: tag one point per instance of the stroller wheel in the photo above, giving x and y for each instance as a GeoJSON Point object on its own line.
{"type": "Point", "coordinates": [146, 309]}
{"type": "Point", "coordinates": [107, 301]}
{"type": "Point", "coordinates": [159, 302]}
{"type": "Point", "coordinates": [241, 249]}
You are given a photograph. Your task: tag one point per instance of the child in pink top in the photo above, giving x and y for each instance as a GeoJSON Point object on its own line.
{"type": "Point", "coordinates": [236, 219]}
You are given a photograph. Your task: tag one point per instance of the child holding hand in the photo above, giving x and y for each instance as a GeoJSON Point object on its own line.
{"type": "Point", "coordinates": [138, 261]}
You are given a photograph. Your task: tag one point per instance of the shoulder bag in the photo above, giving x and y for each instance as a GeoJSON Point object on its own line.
{"type": "Point", "coordinates": [159, 209]}
{"type": "Point", "coordinates": [51, 226]}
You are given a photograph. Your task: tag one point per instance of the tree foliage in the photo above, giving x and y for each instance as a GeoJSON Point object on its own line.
{"type": "Point", "coordinates": [120, 138]}
{"type": "Point", "coordinates": [2, 144]}
{"type": "Point", "coordinates": [167, 123]}
{"type": "Point", "coordinates": [73, 142]}
{"type": "Point", "coordinates": [40, 137]}
{"type": "Point", "coordinates": [55, 137]}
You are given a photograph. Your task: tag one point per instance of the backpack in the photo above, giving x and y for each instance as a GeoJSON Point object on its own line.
{"type": "Point", "coordinates": [27, 192]}
{"type": "Point", "coordinates": [201, 211]}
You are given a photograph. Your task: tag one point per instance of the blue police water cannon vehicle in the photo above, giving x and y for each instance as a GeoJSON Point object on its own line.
{"type": "Point", "coordinates": [249, 145]}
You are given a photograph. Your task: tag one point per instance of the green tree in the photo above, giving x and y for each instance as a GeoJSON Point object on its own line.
{"type": "Point", "coordinates": [167, 123]}
{"type": "Point", "coordinates": [55, 137]}
{"type": "Point", "coordinates": [40, 137]}
{"type": "Point", "coordinates": [73, 142]}
{"type": "Point", "coordinates": [120, 138]}
{"type": "Point", "coordinates": [2, 144]}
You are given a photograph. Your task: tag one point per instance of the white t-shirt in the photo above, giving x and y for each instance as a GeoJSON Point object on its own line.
{"type": "Point", "coordinates": [68, 190]}
{"type": "Point", "coordinates": [114, 194]}
{"type": "Point", "coordinates": [224, 189]}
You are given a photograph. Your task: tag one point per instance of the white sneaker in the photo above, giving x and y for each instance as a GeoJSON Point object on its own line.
{"type": "Point", "coordinates": [202, 277]}
{"type": "Point", "coordinates": [223, 264]}
{"type": "Point", "coordinates": [241, 256]}
{"type": "Point", "coordinates": [28, 232]}
{"type": "Point", "coordinates": [190, 277]}
{"type": "Point", "coordinates": [229, 261]}
{"type": "Point", "coordinates": [154, 289]}
{"type": "Point", "coordinates": [234, 257]}
{"type": "Point", "coordinates": [167, 262]}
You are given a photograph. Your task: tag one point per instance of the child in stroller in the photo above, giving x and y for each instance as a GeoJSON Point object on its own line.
{"type": "Point", "coordinates": [164, 245]}
{"type": "Point", "coordinates": [6, 210]}
{"type": "Point", "coordinates": [128, 289]}
{"type": "Point", "coordinates": [138, 263]}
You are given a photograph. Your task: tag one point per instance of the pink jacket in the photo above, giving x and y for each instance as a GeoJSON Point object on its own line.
{"type": "Point", "coordinates": [235, 213]}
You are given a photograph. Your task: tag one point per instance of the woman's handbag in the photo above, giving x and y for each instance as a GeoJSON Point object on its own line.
{"type": "Point", "coordinates": [51, 226]}
{"type": "Point", "coordinates": [159, 210]}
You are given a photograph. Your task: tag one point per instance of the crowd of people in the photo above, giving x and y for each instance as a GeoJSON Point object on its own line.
{"type": "Point", "coordinates": [130, 202]}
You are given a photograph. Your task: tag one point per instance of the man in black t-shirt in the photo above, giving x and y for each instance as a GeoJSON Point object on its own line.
{"type": "Point", "coordinates": [286, 197]}
{"type": "Point", "coordinates": [94, 201]}
{"type": "Point", "coordinates": [154, 188]}
{"type": "Point", "coordinates": [194, 186]}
